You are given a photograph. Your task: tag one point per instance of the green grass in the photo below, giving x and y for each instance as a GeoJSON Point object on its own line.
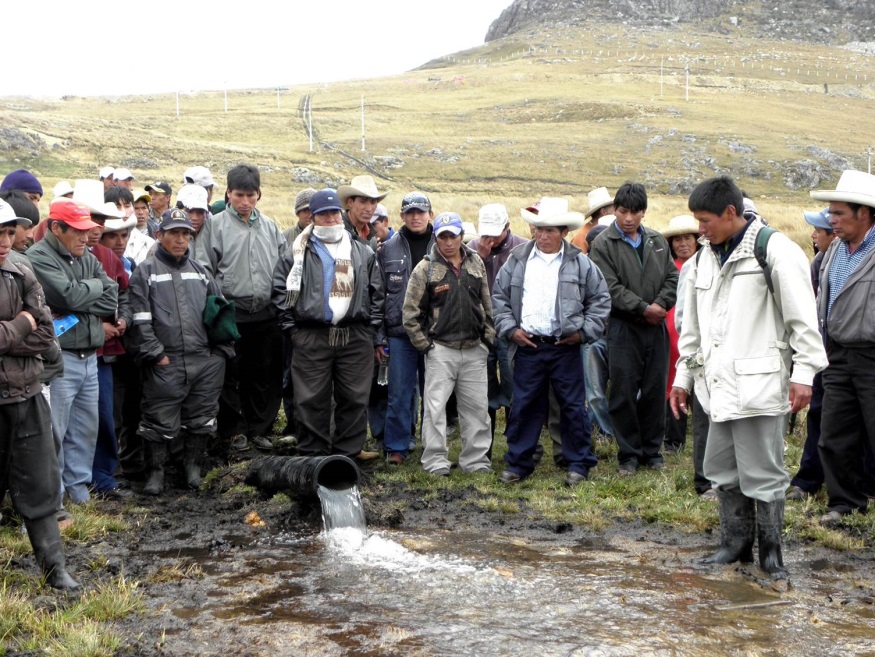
{"type": "Point", "coordinates": [665, 497]}
{"type": "Point", "coordinates": [35, 620]}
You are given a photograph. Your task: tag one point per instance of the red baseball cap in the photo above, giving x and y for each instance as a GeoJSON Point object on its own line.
{"type": "Point", "coordinates": [75, 215]}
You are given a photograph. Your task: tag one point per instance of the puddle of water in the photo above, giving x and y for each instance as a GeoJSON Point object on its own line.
{"type": "Point", "coordinates": [452, 593]}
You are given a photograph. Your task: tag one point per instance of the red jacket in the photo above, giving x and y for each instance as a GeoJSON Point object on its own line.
{"type": "Point", "coordinates": [115, 269]}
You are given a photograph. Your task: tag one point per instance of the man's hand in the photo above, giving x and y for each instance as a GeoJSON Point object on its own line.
{"type": "Point", "coordinates": [677, 399]}
{"type": "Point", "coordinates": [800, 396]}
{"type": "Point", "coordinates": [164, 361]}
{"type": "Point", "coordinates": [654, 314]}
{"type": "Point", "coordinates": [30, 319]}
{"type": "Point", "coordinates": [484, 246]}
{"type": "Point", "coordinates": [122, 326]}
{"type": "Point", "coordinates": [380, 353]}
{"type": "Point", "coordinates": [573, 338]}
{"type": "Point", "coordinates": [109, 332]}
{"type": "Point", "coordinates": [522, 338]}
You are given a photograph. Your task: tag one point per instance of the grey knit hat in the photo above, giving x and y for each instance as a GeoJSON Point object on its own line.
{"type": "Point", "coordinates": [302, 200]}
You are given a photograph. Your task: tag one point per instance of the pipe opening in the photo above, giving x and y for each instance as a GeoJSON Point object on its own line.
{"type": "Point", "coordinates": [337, 474]}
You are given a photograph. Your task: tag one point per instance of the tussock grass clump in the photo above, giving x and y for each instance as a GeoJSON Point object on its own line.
{"type": "Point", "coordinates": [69, 627]}
{"type": "Point", "coordinates": [33, 619]}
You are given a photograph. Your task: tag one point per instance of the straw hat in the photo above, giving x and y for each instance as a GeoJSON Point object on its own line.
{"type": "Point", "coordinates": [854, 187]}
{"type": "Point", "coordinates": [598, 198]}
{"type": "Point", "coordinates": [553, 212]}
{"type": "Point", "coordinates": [360, 186]}
{"type": "Point", "coordinates": [683, 224]}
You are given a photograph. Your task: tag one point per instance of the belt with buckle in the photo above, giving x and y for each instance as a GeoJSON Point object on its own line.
{"type": "Point", "coordinates": [544, 339]}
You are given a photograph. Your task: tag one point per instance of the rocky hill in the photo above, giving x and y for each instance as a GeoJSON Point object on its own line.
{"type": "Point", "coordinates": [821, 21]}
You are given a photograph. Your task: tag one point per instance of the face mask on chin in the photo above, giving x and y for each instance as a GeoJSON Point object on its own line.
{"type": "Point", "coordinates": [329, 234]}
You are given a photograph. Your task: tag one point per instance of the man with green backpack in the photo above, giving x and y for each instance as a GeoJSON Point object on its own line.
{"type": "Point", "coordinates": [751, 347]}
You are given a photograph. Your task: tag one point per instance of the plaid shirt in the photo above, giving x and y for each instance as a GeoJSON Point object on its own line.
{"type": "Point", "coordinates": [844, 264]}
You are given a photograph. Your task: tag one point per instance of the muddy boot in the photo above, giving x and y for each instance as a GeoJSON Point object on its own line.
{"type": "Point", "coordinates": [156, 454]}
{"type": "Point", "coordinates": [737, 528]}
{"type": "Point", "coordinates": [195, 446]}
{"type": "Point", "coordinates": [45, 537]}
{"type": "Point", "coordinates": [770, 523]}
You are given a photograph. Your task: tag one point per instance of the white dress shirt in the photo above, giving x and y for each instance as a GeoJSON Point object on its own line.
{"type": "Point", "coordinates": [540, 287]}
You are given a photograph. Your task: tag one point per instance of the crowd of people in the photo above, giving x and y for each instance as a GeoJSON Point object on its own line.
{"type": "Point", "coordinates": [136, 330]}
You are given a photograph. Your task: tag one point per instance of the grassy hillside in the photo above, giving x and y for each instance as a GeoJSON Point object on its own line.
{"type": "Point", "coordinates": [510, 121]}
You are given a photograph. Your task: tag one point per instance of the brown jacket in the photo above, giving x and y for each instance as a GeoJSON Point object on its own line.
{"type": "Point", "coordinates": [21, 348]}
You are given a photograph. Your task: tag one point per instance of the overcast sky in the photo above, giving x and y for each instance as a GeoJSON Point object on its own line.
{"type": "Point", "coordinates": [83, 47]}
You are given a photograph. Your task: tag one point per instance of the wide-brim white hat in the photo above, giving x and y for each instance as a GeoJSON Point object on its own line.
{"type": "Point", "coordinates": [90, 194]}
{"type": "Point", "coordinates": [114, 225]}
{"type": "Point", "coordinates": [553, 212]}
{"type": "Point", "coordinates": [360, 186]}
{"type": "Point", "coordinates": [683, 224]}
{"type": "Point", "coordinates": [598, 198]}
{"type": "Point", "coordinates": [853, 187]}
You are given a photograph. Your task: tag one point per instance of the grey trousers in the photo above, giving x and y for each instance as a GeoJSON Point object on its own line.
{"type": "Point", "coordinates": [748, 455]}
{"type": "Point", "coordinates": [462, 371]}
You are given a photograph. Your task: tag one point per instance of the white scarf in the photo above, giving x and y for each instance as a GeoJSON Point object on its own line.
{"type": "Point", "coordinates": [340, 296]}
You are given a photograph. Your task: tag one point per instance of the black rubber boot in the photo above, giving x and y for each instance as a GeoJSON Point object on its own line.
{"type": "Point", "coordinates": [770, 524]}
{"type": "Point", "coordinates": [737, 528]}
{"type": "Point", "coordinates": [195, 446]}
{"type": "Point", "coordinates": [493, 413]}
{"type": "Point", "coordinates": [45, 537]}
{"type": "Point", "coordinates": [156, 454]}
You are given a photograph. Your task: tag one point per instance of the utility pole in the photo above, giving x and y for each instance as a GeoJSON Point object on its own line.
{"type": "Point", "coordinates": [177, 103]}
{"type": "Point", "coordinates": [226, 99]}
{"type": "Point", "coordinates": [363, 122]}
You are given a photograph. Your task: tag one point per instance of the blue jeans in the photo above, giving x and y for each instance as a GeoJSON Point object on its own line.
{"type": "Point", "coordinates": [106, 451]}
{"type": "Point", "coordinates": [535, 371]}
{"type": "Point", "coordinates": [74, 423]}
{"type": "Point", "coordinates": [406, 371]}
{"type": "Point", "coordinates": [500, 375]}
{"type": "Point", "coordinates": [595, 366]}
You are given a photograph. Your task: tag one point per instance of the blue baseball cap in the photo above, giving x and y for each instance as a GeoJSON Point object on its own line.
{"type": "Point", "coordinates": [325, 200]}
{"type": "Point", "coordinates": [818, 219]}
{"type": "Point", "coordinates": [447, 221]}
{"type": "Point", "coordinates": [175, 218]}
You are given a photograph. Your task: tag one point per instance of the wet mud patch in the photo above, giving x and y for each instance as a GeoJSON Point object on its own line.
{"type": "Point", "coordinates": [440, 576]}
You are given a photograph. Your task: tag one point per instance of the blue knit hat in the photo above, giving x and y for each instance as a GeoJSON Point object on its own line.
{"type": "Point", "coordinates": [22, 180]}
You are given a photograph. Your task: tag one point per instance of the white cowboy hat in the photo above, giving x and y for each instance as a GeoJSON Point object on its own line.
{"type": "Point", "coordinates": [854, 187]}
{"type": "Point", "coordinates": [360, 186]}
{"type": "Point", "coordinates": [683, 224]}
{"type": "Point", "coordinates": [115, 225]}
{"type": "Point", "coordinates": [553, 212]}
{"type": "Point", "coordinates": [606, 220]}
{"type": "Point", "coordinates": [90, 194]}
{"type": "Point", "coordinates": [598, 198]}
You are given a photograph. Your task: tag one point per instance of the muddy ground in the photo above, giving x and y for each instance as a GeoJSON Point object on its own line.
{"type": "Point", "coordinates": [214, 577]}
